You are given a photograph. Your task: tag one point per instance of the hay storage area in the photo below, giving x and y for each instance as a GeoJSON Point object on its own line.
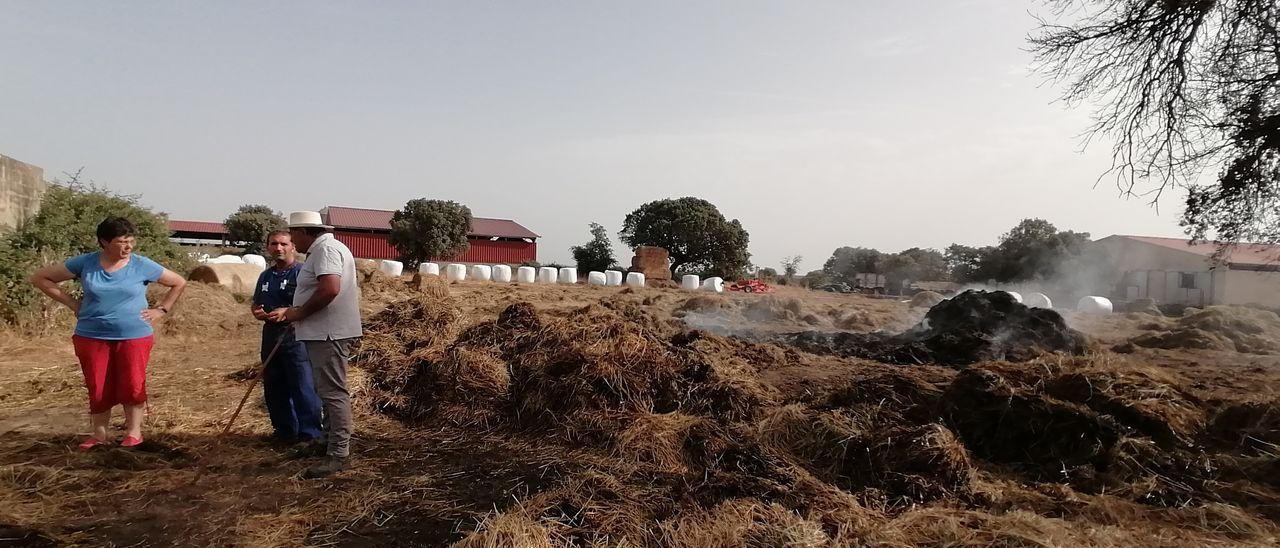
{"type": "Point", "coordinates": [493, 415]}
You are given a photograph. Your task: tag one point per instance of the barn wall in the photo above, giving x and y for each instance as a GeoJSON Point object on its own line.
{"type": "Point", "coordinates": [372, 245]}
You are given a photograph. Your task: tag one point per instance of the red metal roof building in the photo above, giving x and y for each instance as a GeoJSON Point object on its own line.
{"type": "Point", "coordinates": [197, 233]}
{"type": "Point", "coordinates": [366, 232]}
{"type": "Point", "coordinates": [493, 241]}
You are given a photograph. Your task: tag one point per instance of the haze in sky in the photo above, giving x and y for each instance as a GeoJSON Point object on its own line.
{"type": "Point", "coordinates": [817, 124]}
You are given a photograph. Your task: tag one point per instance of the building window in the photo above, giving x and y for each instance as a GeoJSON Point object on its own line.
{"type": "Point", "coordinates": [1188, 281]}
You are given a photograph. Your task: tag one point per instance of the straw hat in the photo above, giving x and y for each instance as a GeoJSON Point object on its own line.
{"type": "Point", "coordinates": [306, 219]}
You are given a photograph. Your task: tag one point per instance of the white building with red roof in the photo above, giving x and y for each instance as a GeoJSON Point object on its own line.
{"type": "Point", "coordinates": [1177, 271]}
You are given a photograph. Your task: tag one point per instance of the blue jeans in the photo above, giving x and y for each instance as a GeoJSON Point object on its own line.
{"type": "Point", "coordinates": [287, 385]}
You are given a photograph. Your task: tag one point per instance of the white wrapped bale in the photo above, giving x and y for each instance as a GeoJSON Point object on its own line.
{"type": "Point", "coordinates": [1038, 300]}
{"type": "Point", "coordinates": [690, 282]}
{"type": "Point", "coordinates": [713, 284]}
{"type": "Point", "coordinates": [596, 278]}
{"type": "Point", "coordinates": [635, 279]}
{"type": "Point", "coordinates": [502, 273]}
{"type": "Point", "coordinates": [612, 278]}
{"type": "Point", "coordinates": [568, 275]}
{"type": "Point", "coordinates": [256, 260]}
{"type": "Point", "coordinates": [456, 272]}
{"type": "Point", "coordinates": [391, 268]}
{"type": "Point", "coordinates": [526, 275]}
{"type": "Point", "coordinates": [1017, 297]}
{"type": "Point", "coordinates": [429, 269]}
{"type": "Point", "coordinates": [481, 272]}
{"type": "Point", "coordinates": [225, 259]}
{"type": "Point", "coordinates": [548, 275]}
{"type": "Point", "coordinates": [1094, 305]}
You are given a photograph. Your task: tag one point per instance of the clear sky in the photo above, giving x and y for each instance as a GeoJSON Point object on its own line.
{"type": "Point", "coordinates": [817, 124]}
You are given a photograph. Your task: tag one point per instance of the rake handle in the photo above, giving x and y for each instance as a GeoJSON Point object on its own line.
{"type": "Point", "coordinates": [253, 382]}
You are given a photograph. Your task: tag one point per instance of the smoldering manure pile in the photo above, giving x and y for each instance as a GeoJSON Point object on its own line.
{"type": "Point", "coordinates": [968, 328]}
{"type": "Point", "coordinates": [674, 438]}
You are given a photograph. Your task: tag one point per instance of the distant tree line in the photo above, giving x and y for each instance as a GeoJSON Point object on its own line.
{"type": "Point", "coordinates": [1034, 249]}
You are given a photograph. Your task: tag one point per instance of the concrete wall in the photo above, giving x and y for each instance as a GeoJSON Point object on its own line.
{"type": "Point", "coordinates": [21, 187]}
{"type": "Point", "coordinates": [1252, 287]}
{"type": "Point", "coordinates": [1140, 270]}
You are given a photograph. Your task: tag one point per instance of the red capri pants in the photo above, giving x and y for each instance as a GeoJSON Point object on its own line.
{"type": "Point", "coordinates": [115, 372]}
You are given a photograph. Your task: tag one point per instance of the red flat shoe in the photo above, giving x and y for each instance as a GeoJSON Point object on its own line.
{"type": "Point", "coordinates": [89, 443]}
{"type": "Point", "coordinates": [130, 441]}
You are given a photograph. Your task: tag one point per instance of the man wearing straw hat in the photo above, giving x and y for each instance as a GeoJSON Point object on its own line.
{"type": "Point", "coordinates": [326, 318]}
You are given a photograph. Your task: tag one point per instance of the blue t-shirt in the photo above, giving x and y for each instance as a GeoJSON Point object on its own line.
{"type": "Point", "coordinates": [113, 302]}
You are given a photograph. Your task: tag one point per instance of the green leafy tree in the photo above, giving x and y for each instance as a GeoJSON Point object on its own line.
{"type": "Point", "coordinates": [914, 264]}
{"type": "Point", "coordinates": [430, 229]}
{"type": "Point", "coordinates": [965, 262]}
{"type": "Point", "coordinates": [766, 274]}
{"type": "Point", "coordinates": [1034, 249]}
{"type": "Point", "coordinates": [1180, 87]}
{"type": "Point", "coordinates": [65, 227]}
{"type": "Point", "coordinates": [847, 262]}
{"type": "Point", "coordinates": [250, 224]}
{"type": "Point", "coordinates": [596, 254]}
{"type": "Point", "coordinates": [695, 233]}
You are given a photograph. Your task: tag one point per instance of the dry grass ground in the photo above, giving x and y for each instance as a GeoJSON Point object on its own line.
{"type": "Point", "coordinates": [763, 451]}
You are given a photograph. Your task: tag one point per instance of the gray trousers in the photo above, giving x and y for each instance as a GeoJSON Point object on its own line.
{"type": "Point", "coordinates": [329, 365]}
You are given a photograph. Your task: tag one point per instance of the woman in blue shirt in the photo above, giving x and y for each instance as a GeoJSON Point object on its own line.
{"type": "Point", "coordinates": [113, 336]}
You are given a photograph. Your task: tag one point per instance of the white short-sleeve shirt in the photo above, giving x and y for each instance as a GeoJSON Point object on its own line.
{"type": "Point", "coordinates": [341, 319]}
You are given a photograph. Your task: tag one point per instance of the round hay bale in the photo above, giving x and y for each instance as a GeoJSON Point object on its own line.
{"type": "Point", "coordinates": [926, 299]}
{"type": "Point", "coordinates": [204, 309]}
{"type": "Point", "coordinates": [239, 278]}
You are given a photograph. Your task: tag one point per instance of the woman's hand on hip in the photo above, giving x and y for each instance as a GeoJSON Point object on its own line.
{"type": "Point", "coordinates": [149, 315]}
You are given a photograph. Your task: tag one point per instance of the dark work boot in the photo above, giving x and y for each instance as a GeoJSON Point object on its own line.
{"type": "Point", "coordinates": [309, 449]}
{"type": "Point", "coordinates": [328, 467]}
